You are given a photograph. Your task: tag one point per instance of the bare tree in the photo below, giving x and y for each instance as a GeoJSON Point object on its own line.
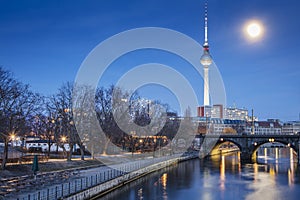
{"type": "Point", "coordinates": [86, 124]}
{"type": "Point", "coordinates": [44, 124]}
{"type": "Point", "coordinates": [62, 104]}
{"type": "Point", "coordinates": [17, 106]}
{"type": "Point", "coordinates": [104, 109]}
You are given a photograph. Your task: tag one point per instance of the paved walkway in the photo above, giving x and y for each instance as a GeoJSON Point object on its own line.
{"type": "Point", "coordinates": [53, 185]}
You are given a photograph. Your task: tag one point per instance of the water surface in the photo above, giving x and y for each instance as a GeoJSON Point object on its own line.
{"type": "Point", "coordinates": [221, 177]}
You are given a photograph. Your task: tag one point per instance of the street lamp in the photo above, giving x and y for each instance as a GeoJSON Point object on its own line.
{"type": "Point", "coordinates": [12, 137]}
{"type": "Point", "coordinates": [63, 139]}
{"type": "Point", "coordinates": [141, 145]}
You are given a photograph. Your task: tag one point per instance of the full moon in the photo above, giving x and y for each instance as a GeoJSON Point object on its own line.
{"type": "Point", "coordinates": [253, 30]}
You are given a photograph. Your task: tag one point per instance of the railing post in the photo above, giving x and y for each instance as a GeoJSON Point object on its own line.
{"type": "Point", "coordinates": [69, 188]}
{"type": "Point", "coordinates": [62, 190]}
{"type": "Point", "coordinates": [56, 192]}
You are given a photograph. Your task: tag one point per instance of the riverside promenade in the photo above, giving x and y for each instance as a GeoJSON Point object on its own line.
{"type": "Point", "coordinates": [86, 183]}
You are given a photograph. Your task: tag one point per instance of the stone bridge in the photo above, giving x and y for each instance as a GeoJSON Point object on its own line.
{"type": "Point", "coordinates": [248, 144]}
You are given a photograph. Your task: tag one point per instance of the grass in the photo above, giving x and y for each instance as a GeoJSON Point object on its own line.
{"type": "Point", "coordinates": [49, 166]}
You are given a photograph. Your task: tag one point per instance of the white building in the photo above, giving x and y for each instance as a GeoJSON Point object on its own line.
{"type": "Point", "coordinates": [264, 128]}
{"type": "Point", "coordinates": [220, 126]}
{"type": "Point", "coordinates": [236, 113]}
{"type": "Point", "coordinates": [291, 128]}
{"type": "Point", "coordinates": [43, 145]}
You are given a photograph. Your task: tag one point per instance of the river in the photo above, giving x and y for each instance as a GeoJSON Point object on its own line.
{"type": "Point", "coordinates": [275, 176]}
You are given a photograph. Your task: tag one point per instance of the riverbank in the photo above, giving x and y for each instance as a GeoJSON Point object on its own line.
{"type": "Point", "coordinates": [100, 190]}
{"type": "Point", "coordinates": [80, 177]}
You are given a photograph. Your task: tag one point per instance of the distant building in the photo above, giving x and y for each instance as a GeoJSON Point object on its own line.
{"type": "Point", "coordinates": [236, 114]}
{"type": "Point", "coordinates": [215, 111]}
{"type": "Point", "coordinates": [204, 111]}
{"type": "Point", "coordinates": [291, 128]}
{"type": "Point", "coordinates": [264, 128]}
{"type": "Point", "coordinates": [218, 111]}
{"type": "Point", "coordinates": [220, 126]}
{"type": "Point", "coordinates": [43, 145]}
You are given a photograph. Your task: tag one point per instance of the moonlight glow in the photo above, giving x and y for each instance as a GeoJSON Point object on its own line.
{"type": "Point", "coordinates": [253, 30]}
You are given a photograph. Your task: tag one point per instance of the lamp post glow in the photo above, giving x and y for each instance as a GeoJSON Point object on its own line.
{"type": "Point", "coordinates": [12, 137]}
{"type": "Point", "coordinates": [63, 139]}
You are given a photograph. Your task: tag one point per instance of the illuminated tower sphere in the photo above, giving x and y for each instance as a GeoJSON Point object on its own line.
{"type": "Point", "coordinates": [206, 61]}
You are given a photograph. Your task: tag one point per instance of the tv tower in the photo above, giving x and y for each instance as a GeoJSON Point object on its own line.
{"type": "Point", "coordinates": [206, 60]}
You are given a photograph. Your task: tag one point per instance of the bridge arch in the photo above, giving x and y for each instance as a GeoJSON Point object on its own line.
{"type": "Point", "coordinates": [257, 145]}
{"type": "Point", "coordinates": [215, 150]}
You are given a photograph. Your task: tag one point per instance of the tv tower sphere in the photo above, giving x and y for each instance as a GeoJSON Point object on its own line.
{"type": "Point", "coordinates": [206, 59]}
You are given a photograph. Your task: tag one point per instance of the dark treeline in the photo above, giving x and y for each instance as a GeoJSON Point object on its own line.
{"type": "Point", "coordinates": [53, 118]}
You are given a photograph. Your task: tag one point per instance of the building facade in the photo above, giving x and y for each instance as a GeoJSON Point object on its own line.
{"type": "Point", "coordinates": [264, 128]}
{"type": "Point", "coordinates": [291, 128]}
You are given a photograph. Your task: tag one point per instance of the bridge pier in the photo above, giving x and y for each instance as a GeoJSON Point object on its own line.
{"type": "Point", "coordinates": [246, 157]}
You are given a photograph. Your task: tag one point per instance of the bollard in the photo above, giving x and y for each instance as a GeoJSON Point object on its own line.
{"type": "Point", "coordinates": [48, 194]}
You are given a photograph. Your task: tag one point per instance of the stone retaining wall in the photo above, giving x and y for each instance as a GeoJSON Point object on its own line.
{"type": "Point", "coordinates": [100, 190]}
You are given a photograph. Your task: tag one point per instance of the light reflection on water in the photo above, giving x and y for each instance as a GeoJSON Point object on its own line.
{"type": "Point", "coordinates": [275, 176]}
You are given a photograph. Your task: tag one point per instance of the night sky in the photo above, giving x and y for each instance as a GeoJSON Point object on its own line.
{"type": "Point", "coordinates": [44, 43]}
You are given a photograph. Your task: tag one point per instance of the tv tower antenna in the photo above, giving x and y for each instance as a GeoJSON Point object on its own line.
{"type": "Point", "coordinates": [205, 26]}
